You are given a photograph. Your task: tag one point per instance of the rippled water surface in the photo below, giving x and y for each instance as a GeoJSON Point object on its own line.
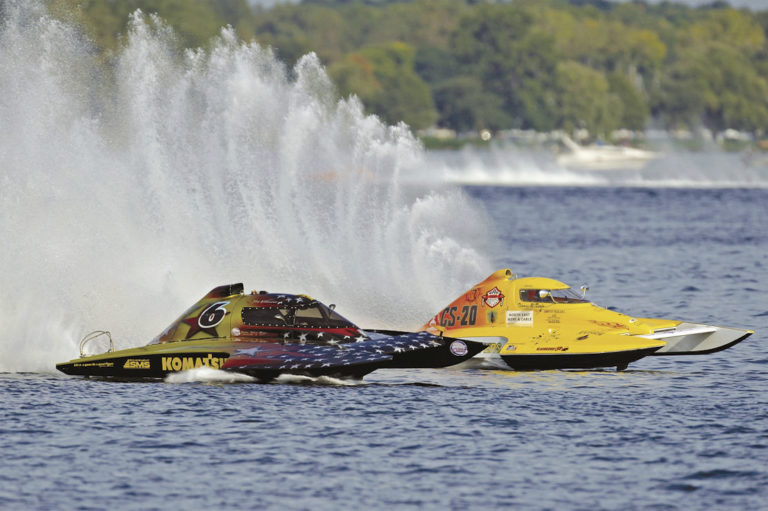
{"type": "Point", "coordinates": [668, 433]}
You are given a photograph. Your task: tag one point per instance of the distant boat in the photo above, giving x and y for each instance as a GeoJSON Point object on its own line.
{"type": "Point", "coordinates": [603, 156]}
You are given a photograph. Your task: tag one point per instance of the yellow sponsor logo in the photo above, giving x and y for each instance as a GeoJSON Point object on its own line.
{"type": "Point", "coordinates": [136, 363]}
{"type": "Point", "coordinates": [185, 363]}
{"type": "Point", "coordinates": [94, 364]}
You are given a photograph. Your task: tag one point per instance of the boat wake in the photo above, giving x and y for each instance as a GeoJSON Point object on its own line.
{"type": "Point", "coordinates": [511, 166]}
{"type": "Point", "coordinates": [208, 375]}
{"type": "Point", "coordinates": [217, 376]}
{"type": "Point", "coordinates": [319, 380]}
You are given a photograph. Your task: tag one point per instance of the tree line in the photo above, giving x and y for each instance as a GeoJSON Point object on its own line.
{"type": "Point", "coordinates": [474, 65]}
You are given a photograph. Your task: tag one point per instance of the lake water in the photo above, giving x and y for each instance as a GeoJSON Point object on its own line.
{"type": "Point", "coordinates": [668, 433]}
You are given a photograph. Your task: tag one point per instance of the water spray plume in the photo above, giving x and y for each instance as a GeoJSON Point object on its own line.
{"type": "Point", "coordinates": [128, 193]}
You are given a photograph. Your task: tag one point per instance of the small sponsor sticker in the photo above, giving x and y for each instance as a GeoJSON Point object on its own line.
{"type": "Point", "coordinates": [524, 318]}
{"type": "Point", "coordinates": [459, 348]}
{"type": "Point", "coordinates": [493, 298]}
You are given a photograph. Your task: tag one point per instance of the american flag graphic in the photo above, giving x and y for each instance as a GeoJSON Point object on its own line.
{"type": "Point", "coordinates": [300, 357]}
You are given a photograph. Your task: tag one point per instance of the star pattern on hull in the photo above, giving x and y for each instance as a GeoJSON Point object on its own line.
{"type": "Point", "coordinates": [303, 357]}
{"type": "Point", "coordinates": [195, 328]}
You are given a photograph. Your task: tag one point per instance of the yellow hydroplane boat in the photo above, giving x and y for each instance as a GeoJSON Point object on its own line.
{"type": "Point", "coordinates": [541, 323]}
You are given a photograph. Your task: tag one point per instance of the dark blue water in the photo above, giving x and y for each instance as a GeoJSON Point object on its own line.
{"type": "Point", "coordinates": [669, 433]}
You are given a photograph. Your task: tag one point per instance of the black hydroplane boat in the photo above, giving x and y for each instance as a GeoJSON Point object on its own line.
{"type": "Point", "coordinates": [267, 334]}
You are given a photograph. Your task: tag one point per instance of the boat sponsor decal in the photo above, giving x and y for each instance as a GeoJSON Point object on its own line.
{"type": "Point", "coordinates": [492, 316]}
{"type": "Point", "coordinates": [493, 348]}
{"type": "Point", "coordinates": [552, 348]}
{"type": "Point", "coordinates": [136, 363]}
{"type": "Point", "coordinates": [458, 348]}
{"type": "Point", "coordinates": [185, 363]}
{"type": "Point", "coordinates": [522, 318]}
{"type": "Point", "coordinates": [207, 320]}
{"type": "Point", "coordinates": [508, 348]}
{"type": "Point", "coordinates": [493, 298]}
{"type": "Point", "coordinates": [94, 364]}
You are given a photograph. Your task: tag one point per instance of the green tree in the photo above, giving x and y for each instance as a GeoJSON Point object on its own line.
{"type": "Point", "coordinates": [584, 100]}
{"type": "Point", "coordinates": [294, 32]}
{"type": "Point", "coordinates": [635, 110]}
{"type": "Point", "coordinates": [195, 23]}
{"type": "Point", "coordinates": [463, 105]}
{"type": "Point", "coordinates": [714, 85]}
{"type": "Point", "coordinates": [495, 44]}
{"type": "Point", "coordinates": [384, 78]}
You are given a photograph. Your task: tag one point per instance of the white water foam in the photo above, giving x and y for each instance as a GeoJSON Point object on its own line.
{"type": "Point", "coordinates": [318, 380]}
{"type": "Point", "coordinates": [501, 165]}
{"type": "Point", "coordinates": [208, 375]}
{"type": "Point", "coordinates": [128, 192]}
{"type": "Point", "coordinates": [508, 165]}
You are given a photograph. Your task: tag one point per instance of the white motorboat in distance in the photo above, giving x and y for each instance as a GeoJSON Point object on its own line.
{"type": "Point", "coordinates": [602, 156]}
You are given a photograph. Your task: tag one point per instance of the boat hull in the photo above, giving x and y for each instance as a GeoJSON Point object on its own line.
{"type": "Point", "coordinates": [142, 366]}
{"type": "Point", "coordinates": [618, 359]}
{"type": "Point", "coordinates": [266, 360]}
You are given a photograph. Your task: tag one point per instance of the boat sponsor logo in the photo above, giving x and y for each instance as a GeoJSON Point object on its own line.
{"type": "Point", "coordinates": [552, 348]}
{"type": "Point", "coordinates": [459, 348]}
{"type": "Point", "coordinates": [493, 298]}
{"type": "Point", "coordinates": [136, 363]}
{"type": "Point", "coordinates": [186, 363]}
{"type": "Point", "coordinates": [94, 364]}
{"type": "Point", "coordinates": [493, 348]}
{"type": "Point", "coordinates": [522, 318]}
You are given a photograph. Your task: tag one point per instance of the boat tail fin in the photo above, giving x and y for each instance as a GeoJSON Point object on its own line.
{"type": "Point", "coordinates": [479, 306]}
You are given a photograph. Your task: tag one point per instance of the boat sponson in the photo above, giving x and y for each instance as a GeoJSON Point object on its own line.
{"type": "Point", "coordinates": [619, 359]}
